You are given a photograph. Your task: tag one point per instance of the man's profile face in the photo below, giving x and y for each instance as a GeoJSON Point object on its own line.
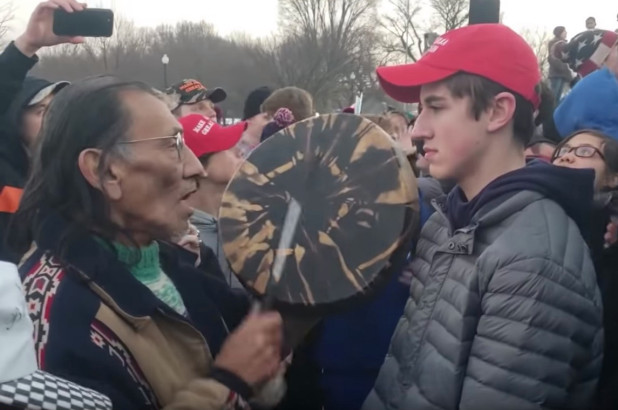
{"type": "Point", "coordinates": [155, 177]}
{"type": "Point", "coordinates": [453, 138]}
{"type": "Point", "coordinates": [32, 118]}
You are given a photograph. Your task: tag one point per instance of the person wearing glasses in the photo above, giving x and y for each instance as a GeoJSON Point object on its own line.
{"type": "Point", "coordinates": [116, 306]}
{"type": "Point", "coordinates": [591, 149]}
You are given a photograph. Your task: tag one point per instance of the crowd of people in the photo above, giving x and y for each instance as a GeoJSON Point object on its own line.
{"type": "Point", "coordinates": [115, 291]}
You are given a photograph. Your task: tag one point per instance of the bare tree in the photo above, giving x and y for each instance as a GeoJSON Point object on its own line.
{"type": "Point", "coordinates": [111, 51]}
{"type": "Point", "coordinates": [538, 40]}
{"type": "Point", "coordinates": [322, 43]}
{"type": "Point", "coordinates": [451, 13]}
{"type": "Point", "coordinates": [321, 62]}
{"type": "Point", "coordinates": [403, 37]}
{"type": "Point", "coordinates": [6, 16]}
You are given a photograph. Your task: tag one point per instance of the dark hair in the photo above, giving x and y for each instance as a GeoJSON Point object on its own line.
{"type": "Point", "coordinates": [254, 101]}
{"type": "Point", "coordinates": [482, 91]}
{"type": "Point", "coordinates": [591, 18]}
{"type": "Point", "coordinates": [559, 30]}
{"type": "Point", "coordinates": [609, 146]}
{"type": "Point", "coordinates": [87, 114]}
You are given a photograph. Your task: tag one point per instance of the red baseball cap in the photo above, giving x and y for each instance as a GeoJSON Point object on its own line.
{"type": "Point", "coordinates": [204, 136]}
{"type": "Point", "coordinates": [492, 51]}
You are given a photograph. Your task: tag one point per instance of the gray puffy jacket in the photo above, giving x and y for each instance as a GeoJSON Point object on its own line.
{"type": "Point", "coordinates": [503, 315]}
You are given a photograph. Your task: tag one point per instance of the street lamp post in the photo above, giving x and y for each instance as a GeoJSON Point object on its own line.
{"type": "Point", "coordinates": [165, 60]}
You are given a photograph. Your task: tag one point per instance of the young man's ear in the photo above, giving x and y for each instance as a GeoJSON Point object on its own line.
{"type": "Point", "coordinates": [88, 162]}
{"type": "Point", "coordinates": [502, 111]}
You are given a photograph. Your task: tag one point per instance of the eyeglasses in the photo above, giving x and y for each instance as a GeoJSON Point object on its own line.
{"type": "Point", "coordinates": [179, 140]}
{"type": "Point", "coordinates": [583, 151]}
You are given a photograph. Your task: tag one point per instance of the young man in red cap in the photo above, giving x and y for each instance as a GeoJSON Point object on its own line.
{"type": "Point", "coordinates": [216, 148]}
{"type": "Point", "coordinates": [504, 310]}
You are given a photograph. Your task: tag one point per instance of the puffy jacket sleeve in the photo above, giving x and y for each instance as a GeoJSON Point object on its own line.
{"type": "Point", "coordinates": [14, 67]}
{"type": "Point", "coordinates": [539, 338]}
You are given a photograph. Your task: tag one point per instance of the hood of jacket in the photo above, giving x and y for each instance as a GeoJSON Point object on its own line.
{"type": "Point", "coordinates": [572, 189]}
{"type": "Point", "coordinates": [12, 150]}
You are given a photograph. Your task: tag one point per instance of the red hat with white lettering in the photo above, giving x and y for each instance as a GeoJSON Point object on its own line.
{"type": "Point", "coordinates": [492, 51]}
{"type": "Point", "coordinates": [204, 136]}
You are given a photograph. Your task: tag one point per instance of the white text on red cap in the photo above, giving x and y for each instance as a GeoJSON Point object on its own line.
{"type": "Point", "coordinates": [440, 41]}
{"type": "Point", "coordinates": [203, 127]}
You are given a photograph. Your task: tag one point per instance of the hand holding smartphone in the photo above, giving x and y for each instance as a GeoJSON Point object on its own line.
{"type": "Point", "coordinates": [39, 31]}
{"type": "Point", "coordinates": [85, 23]}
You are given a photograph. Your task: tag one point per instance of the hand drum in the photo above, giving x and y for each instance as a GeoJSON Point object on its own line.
{"type": "Point", "coordinates": [359, 204]}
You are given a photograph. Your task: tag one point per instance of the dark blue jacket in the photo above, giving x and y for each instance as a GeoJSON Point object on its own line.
{"type": "Point", "coordinates": [76, 291]}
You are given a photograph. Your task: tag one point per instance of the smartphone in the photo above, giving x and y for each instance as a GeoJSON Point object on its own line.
{"type": "Point", "coordinates": [86, 23]}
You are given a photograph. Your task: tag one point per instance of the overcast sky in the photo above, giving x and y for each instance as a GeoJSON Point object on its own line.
{"type": "Point", "coordinates": [259, 17]}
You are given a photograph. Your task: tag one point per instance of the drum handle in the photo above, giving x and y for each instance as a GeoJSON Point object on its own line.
{"type": "Point", "coordinates": [288, 230]}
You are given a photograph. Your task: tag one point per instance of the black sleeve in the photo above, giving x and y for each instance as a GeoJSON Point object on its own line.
{"type": "Point", "coordinates": [14, 67]}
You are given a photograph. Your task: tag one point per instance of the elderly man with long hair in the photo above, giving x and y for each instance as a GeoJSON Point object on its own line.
{"type": "Point", "coordinates": [116, 307]}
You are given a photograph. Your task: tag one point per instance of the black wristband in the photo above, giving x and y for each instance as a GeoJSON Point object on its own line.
{"type": "Point", "coordinates": [232, 382]}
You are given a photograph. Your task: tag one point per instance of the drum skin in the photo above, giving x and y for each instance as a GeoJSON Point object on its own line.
{"type": "Point", "coordinates": [359, 204]}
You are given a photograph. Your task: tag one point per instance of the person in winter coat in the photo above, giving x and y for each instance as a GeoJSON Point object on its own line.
{"type": "Point", "coordinates": [216, 148]}
{"type": "Point", "coordinates": [190, 96]}
{"type": "Point", "coordinates": [590, 149]}
{"type": "Point", "coordinates": [504, 310]}
{"type": "Point", "coordinates": [298, 105]}
{"type": "Point", "coordinates": [22, 104]}
{"type": "Point", "coordinates": [283, 118]}
{"type": "Point", "coordinates": [116, 306]}
{"type": "Point", "coordinates": [559, 73]}
{"type": "Point", "coordinates": [252, 113]}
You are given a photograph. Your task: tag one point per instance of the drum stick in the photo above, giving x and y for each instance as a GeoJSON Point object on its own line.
{"type": "Point", "coordinates": [292, 216]}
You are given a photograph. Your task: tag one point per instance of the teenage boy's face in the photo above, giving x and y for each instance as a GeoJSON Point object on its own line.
{"type": "Point", "coordinates": [454, 139]}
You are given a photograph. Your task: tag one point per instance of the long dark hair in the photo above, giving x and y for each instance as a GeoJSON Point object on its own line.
{"type": "Point", "coordinates": [87, 114]}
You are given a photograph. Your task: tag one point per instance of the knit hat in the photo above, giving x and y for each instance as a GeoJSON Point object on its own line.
{"type": "Point", "coordinates": [587, 51]}
{"type": "Point", "coordinates": [592, 104]}
{"type": "Point", "coordinates": [283, 118]}
{"type": "Point", "coordinates": [255, 99]}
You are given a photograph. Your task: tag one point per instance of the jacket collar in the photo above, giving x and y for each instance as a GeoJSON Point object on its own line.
{"type": "Point", "coordinates": [97, 265]}
{"type": "Point", "coordinates": [493, 212]}
{"type": "Point", "coordinates": [207, 299]}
